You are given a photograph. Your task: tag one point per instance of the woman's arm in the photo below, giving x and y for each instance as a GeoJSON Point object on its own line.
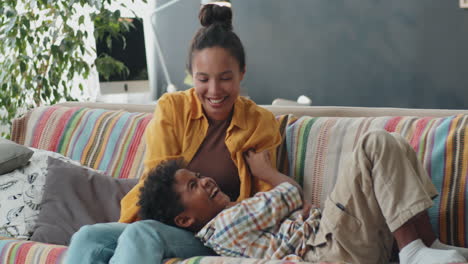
{"type": "Point", "coordinates": [260, 132]}
{"type": "Point", "coordinates": [162, 142]}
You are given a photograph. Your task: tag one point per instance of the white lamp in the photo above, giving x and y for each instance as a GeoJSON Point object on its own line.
{"type": "Point", "coordinates": [170, 86]}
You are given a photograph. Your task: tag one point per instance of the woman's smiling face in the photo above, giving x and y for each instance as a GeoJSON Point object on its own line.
{"type": "Point", "coordinates": [217, 76]}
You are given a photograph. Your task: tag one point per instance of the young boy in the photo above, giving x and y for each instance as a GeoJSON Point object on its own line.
{"type": "Point", "coordinates": [188, 200]}
{"type": "Point", "coordinates": [375, 201]}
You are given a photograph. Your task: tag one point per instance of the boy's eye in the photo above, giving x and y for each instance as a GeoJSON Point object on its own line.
{"type": "Point", "coordinates": [203, 80]}
{"type": "Point", "coordinates": [226, 79]}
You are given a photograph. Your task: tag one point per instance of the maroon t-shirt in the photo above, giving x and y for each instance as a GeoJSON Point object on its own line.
{"type": "Point", "coordinates": [214, 160]}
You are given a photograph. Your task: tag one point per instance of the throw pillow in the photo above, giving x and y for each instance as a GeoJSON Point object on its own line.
{"type": "Point", "coordinates": [12, 155]}
{"type": "Point", "coordinates": [75, 196]}
{"type": "Point", "coordinates": [21, 193]}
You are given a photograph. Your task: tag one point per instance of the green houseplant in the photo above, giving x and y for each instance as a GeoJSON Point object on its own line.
{"type": "Point", "coordinates": [43, 50]}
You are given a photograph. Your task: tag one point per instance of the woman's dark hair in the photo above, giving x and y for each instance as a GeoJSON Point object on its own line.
{"type": "Point", "coordinates": [158, 200]}
{"type": "Point", "coordinates": [216, 30]}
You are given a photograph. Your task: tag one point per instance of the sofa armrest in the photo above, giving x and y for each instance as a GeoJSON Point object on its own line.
{"type": "Point", "coordinates": [29, 252]}
{"type": "Point", "coordinates": [19, 129]}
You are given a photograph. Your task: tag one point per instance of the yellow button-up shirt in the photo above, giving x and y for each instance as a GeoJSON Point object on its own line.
{"type": "Point", "coordinates": [179, 127]}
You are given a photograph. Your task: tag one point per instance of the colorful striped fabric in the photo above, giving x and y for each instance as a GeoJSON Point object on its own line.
{"type": "Point", "coordinates": [110, 141]}
{"type": "Point", "coordinates": [282, 160]}
{"type": "Point", "coordinates": [317, 146]}
{"type": "Point", "coordinates": [19, 252]}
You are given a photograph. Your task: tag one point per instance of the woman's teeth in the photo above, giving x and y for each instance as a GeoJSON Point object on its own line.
{"type": "Point", "coordinates": [216, 101]}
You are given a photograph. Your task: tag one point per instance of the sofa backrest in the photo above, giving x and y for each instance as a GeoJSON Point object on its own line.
{"type": "Point", "coordinates": [106, 140]}
{"type": "Point", "coordinates": [318, 146]}
{"type": "Point", "coordinates": [298, 111]}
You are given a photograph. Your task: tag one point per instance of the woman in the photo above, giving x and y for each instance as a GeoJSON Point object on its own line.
{"type": "Point", "coordinates": [210, 127]}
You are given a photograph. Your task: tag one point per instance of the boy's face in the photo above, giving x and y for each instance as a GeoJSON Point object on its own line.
{"type": "Point", "coordinates": [201, 197]}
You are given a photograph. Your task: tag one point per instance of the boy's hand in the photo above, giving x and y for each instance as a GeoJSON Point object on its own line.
{"type": "Point", "coordinates": [259, 163]}
{"type": "Point", "coordinates": [306, 210]}
{"type": "Point", "coordinates": [306, 207]}
{"type": "Point", "coordinates": [261, 168]}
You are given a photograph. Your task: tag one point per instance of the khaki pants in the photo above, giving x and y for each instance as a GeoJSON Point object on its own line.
{"type": "Point", "coordinates": [382, 187]}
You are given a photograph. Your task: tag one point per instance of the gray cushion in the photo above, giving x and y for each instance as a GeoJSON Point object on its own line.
{"type": "Point", "coordinates": [12, 155]}
{"type": "Point", "coordinates": [75, 196]}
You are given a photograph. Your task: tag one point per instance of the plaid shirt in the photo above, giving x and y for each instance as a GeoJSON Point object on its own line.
{"type": "Point", "coordinates": [267, 226]}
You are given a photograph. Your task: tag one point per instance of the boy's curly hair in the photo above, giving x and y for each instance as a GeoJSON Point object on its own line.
{"type": "Point", "coordinates": [158, 200]}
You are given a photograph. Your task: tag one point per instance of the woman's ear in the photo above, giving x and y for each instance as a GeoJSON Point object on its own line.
{"type": "Point", "coordinates": [184, 221]}
{"type": "Point", "coordinates": [242, 72]}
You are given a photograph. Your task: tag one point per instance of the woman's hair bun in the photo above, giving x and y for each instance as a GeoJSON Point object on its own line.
{"type": "Point", "coordinates": [215, 14]}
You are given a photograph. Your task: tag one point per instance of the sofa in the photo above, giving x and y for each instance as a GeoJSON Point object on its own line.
{"type": "Point", "coordinates": [108, 139]}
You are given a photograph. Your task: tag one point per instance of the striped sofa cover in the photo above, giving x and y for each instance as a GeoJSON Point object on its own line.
{"type": "Point", "coordinates": [105, 138]}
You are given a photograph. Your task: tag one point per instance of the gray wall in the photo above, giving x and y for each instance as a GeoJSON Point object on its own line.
{"type": "Point", "coordinates": [396, 53]}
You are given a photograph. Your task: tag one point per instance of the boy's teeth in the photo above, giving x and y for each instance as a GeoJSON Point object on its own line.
{"type": "Point", "coordinates": [213, 193]}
